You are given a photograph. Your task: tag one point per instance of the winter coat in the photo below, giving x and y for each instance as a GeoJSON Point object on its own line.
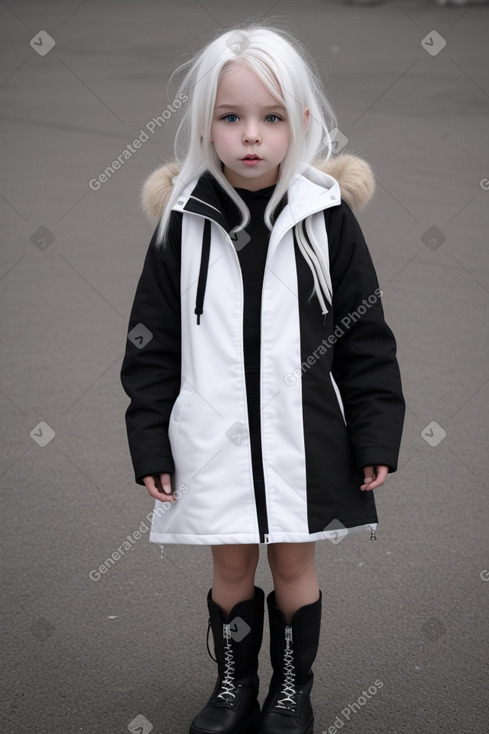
{"type": "Point", "coordinates": [331, 398]}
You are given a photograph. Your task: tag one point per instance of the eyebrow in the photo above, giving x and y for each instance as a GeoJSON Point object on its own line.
{"type": "Point", "coordinates": [238, 107]}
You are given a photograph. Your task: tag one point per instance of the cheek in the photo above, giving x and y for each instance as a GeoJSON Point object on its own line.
{"type": "Point", "coordinates": [217, 133]}
{"type": "Point", "coordinates": [283, 143]}
{"type": "Point", "coordinates": [223, 137]}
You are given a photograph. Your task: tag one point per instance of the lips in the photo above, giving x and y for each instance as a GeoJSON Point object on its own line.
{"type": "Point", "coordinates": [251, 157]}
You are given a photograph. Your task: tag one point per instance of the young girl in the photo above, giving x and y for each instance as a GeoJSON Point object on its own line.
{"type": "Point", "coordinates": [266, 400]}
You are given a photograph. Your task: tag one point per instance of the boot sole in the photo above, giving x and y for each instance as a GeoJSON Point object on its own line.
{"type": "Point", "coordinates": [251, 726]}
{"type": "Point", "coordinates": [309, 730]}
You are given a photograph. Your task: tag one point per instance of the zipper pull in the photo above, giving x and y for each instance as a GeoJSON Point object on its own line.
{"type": "Point", "coordinates": [226, 631]}
{"type": "Point", "coordinates": [372, 533]}
{"type": "Point", "coordinates": [288, 633]}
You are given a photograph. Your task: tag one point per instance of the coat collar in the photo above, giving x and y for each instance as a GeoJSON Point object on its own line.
{"type": "Point", "coordinates": [308, 192]}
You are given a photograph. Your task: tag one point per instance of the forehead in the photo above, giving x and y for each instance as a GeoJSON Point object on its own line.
{"type": "Point", "coordinates": [241, 85]}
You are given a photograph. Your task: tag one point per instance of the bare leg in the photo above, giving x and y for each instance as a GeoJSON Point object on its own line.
{"type": "Point", "coordinates": [234, 574]}
{"type": "Point", "coordinates": [294, 575]}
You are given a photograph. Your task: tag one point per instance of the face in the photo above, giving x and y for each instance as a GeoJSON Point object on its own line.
{"type": "Point", "coordinates": [249, 120]}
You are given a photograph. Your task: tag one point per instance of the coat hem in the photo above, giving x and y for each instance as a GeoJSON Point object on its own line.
{"type": "Point", "coordinates": [334, 536]}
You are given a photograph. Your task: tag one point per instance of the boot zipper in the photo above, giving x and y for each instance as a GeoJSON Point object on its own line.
{"type": "Point", "coordinates": [228, 685]}
{"type": "Point", "coordinates": [288, 686]}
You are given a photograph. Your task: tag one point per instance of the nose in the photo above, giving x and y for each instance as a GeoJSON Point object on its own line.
{"type": "Point", "coordinates": [251, 134]}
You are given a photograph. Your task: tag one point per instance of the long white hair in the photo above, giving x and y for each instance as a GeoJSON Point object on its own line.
{"type": "Point", "coordinates": [288, 71]}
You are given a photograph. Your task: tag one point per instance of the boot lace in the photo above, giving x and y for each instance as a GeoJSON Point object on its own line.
{"type": "Point", "coordinates": [288, 691]}
{"type": "Point", "coordinates": [227, 685]}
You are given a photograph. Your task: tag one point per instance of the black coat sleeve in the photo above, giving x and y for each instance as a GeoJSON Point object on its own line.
{"type": "Point", "coordinates": [151, 368]}
{"type": "Point", "coordinates": [365, 365]}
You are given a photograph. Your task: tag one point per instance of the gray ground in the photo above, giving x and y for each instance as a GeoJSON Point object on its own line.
{"type": "Point", "coordinates": [127, 651]}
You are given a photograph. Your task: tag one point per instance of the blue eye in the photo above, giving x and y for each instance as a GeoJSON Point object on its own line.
{"type": "Point", "coordinates": [232, 114]}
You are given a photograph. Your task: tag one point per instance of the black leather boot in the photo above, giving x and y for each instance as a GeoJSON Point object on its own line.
{"type": "Point", "coordinates": [287, 708]}
{"type": "Point", "coordinates": [233, 707]}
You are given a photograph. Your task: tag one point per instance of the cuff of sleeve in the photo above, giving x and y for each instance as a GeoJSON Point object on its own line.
{"type": "Point", "coordinates": [374, 455]}
{"type": "Point", "coordinates": [158, 465]}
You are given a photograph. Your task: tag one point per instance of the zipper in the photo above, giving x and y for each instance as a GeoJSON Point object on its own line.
{"type": "Point", "coordinates": [372, 532]}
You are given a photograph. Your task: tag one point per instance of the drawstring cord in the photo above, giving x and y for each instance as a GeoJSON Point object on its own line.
{"type": "Point", "coordinates": [204, 266]}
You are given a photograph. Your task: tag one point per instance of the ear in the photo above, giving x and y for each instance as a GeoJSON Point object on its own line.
{"type": "Point", "coordinates": [307, 112]}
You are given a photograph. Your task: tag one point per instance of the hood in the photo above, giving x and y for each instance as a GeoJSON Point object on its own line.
{"type": "Point", "coordinates": [354, 175]}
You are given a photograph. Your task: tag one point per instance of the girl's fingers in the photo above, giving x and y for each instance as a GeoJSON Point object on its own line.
{"type": "Point", "coordinates": [163, 485]}
{"type": "Point", "coordinates": [165, 481]}
{"type": "Point", "coordinates": [159, 487]}
{"type": "Point", "coordinates": [368, 478]}
{"type": "Point", "coordinates": [374, 476]}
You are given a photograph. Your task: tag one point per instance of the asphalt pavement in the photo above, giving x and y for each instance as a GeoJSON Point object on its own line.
{"type": "Point", "coordinates": [404, 638]}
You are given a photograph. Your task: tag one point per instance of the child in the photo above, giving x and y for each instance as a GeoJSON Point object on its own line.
{"type": "Point", "coordinates": [266, 399]}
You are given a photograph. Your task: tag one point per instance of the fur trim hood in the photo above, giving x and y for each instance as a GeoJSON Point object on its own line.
{"type": "Point", "coordinates": [354, 175]}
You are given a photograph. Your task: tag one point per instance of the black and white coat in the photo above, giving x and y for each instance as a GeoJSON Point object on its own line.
{"type": "Point", "coordinates": [331, 395]}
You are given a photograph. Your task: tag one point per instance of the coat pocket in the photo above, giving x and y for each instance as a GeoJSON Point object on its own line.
{"type": "Point", "coordinates": [338, 397]}
{"type": "Point", "coordinates": [177, 411]}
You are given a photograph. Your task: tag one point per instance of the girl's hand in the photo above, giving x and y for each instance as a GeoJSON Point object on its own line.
{"type": "Point", "coordinates": [159, 487]}
{"type": "Point", "coordinates": [374, 476]}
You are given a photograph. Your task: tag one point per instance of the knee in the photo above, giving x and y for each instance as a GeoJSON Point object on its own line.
{"type": "Point", "coordinates": [283, 569]}
{"type": "Point", "coordinates": [286, 565]}
{"type": "Point", "coordinates": [237, 566]}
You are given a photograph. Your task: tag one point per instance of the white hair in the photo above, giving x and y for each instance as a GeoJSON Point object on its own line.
{"type": "Point", "coordinates": [288, 72]}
